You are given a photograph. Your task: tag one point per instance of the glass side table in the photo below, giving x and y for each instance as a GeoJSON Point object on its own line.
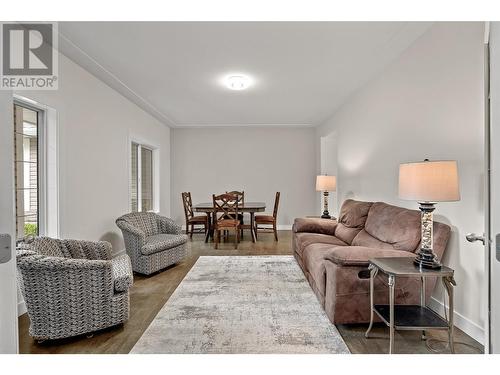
{"type": "Point", "coordinates": [410, 317]}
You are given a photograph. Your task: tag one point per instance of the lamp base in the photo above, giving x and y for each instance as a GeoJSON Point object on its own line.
{"type": "Point", "coordinates": [427, 259]}
{"type": "Point", "coordinates": [326, 214]}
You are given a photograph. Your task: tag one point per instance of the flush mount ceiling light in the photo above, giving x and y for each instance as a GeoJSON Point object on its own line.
{"type": "Point", "coordinates": [237, 82]}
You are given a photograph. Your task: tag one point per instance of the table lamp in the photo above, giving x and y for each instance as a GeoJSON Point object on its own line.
{"type": "Point", "coordinates": [428, 182]}
{"type": "Point", "coordinates": [326, 184]}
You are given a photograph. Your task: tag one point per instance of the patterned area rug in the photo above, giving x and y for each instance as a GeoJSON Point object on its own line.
{"type": "Point", "coordinates": [242, 304]}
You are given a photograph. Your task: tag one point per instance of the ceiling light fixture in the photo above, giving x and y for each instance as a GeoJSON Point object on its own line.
{"type": "Point", "coordinates": [237, 82]}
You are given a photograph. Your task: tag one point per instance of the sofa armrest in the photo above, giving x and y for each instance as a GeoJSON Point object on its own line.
{"type": "Point", "coordinates": [122, 273]}
{"type": "Point", "coordinates": [315, 225]}
{"type": "Point", "coordinates": [361, 255]}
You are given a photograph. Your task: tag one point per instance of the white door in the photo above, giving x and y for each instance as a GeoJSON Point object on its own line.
{"type": "Point", "coordinates": [8, 291]}
{"type": "Point", "coordinates": [493, 231]}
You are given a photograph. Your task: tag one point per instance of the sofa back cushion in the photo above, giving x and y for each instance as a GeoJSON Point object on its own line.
{"type": "Point", "coordinates": [390, 227]}
{"type": "Point", "coordinates": [352, 219]}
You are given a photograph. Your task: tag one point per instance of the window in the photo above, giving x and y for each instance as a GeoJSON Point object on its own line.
{"type": "Point", "coordinates": [26, 159]}
{"type": "Point", "coordinates": [142, 190]}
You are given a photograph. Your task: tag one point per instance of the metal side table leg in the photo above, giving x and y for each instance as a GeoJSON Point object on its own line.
{"type": "Point", "coordinates": [391, 313]}
{"type": "Point", "coordinates": [373, 274]}
{"type": "Point", "coordinates": [448, 283]}
{"type": "Point", "coordinates": [422, 300]}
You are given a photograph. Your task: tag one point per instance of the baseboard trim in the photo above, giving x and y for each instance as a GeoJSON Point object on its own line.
{"type": "Point", "coordinates": [284, 227]}
{"type": "Point", "coordinates": [21, 308]}
{"type": "Point", "coordinates": [280, 227]}
{"type": "Point", "coordinates": [468, 326]}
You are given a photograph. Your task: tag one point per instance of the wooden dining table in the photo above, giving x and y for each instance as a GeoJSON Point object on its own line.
{"type": "Point", "coordinates": [250, 207]}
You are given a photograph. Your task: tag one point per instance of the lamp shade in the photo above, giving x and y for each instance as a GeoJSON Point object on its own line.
{"type": "Point", "coordinates": [326, 183]}
{"type": "Point", "coordinates": [429, 181]}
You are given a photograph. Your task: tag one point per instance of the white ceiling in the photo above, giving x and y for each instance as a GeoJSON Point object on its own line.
{"type": "Point", "coordinates": [303, 71]}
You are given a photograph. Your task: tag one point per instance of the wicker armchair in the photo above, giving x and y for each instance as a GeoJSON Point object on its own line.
{"type": "Point", "coordinates": [73, 287]}
{"type": "Point", "coordinates": [153, 242]}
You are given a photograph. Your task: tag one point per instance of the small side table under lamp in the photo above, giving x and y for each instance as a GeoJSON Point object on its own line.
{"type": "Point", "coordinates": [326, 184]}
{"type": "Point", "coordinates": [428, 182]}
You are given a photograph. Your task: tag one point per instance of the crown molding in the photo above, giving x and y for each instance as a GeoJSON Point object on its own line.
{"type": "Point", "coordinates": [242, 125]}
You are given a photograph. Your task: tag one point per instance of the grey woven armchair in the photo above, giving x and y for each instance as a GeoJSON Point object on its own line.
{"type": "Point", "coordinates": [153, 242]}
{"type": "Point", "coordinates": [73, 287]}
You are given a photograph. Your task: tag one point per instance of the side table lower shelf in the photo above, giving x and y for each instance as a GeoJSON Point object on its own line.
{"type": "Point", "coordinates": [411, 317]}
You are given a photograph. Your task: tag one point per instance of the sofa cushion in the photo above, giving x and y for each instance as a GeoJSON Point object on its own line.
{"type": "Point", "coordinates": [305, 239]}
{"type": "Point", "coordinates": [160, 242]}
{"type": "Point", "coordinates": [399, 227]}
{"type": "Point", "coordinates": [314, 225]}
{"type": "Point", "coordinates": [360, 255]}
{"type": "Point", "coordinates": [367, 240]}
{"type": "Point", "coordinates": [352, 219]}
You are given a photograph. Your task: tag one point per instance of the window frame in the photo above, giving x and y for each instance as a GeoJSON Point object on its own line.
{"type": "Point", "coordinates": [41, 164]}
{"type": "Point", "coordinates": [155, 150]}
{"type": "Point", "coordinates": [48, 165]}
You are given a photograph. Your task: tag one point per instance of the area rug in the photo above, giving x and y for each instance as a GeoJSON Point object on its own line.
{"type": "Point", "coordinates": [242, 304]}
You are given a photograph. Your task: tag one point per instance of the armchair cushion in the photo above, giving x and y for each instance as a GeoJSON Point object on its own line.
{"type": "Point", "coordinates": [60, 264]}
{"type": "Point", "coordinates": [360, 255]}
{"type": "Point", "coordinates": [80, 249]}
{"type": "Point", "coordinates": [122, 273]}
{"type": "Point", "coordinates": [315, 225]}
{"type": "Point", "coordinates": [47, 246]}
{"type": "Point", "coordinates": [167, 225]}
{"type": "Point", "coordinates": [145, 222]}
{"type": "Point", "coordinates": [160, 242]}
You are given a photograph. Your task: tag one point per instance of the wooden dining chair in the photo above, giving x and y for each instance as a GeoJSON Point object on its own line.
{"type": "Point", "coordinates": [241, 203]}
{"type": "Point", "coordinates": [269, 220]}
{"type": "Point", "coordinates": [191, 219]}
{"type": "Point", "coordinates": [225, 211]}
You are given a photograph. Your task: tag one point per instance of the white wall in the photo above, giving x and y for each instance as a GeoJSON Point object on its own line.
{"type": "Point", "coordinates": [427, 104]}
{"type": "Point", "coordinates": [95, 124]}
{"type": "Point", "coordinates": [328, 165]}
{"type": "Point", "coordinates": [258, 160]}
{"type": "Point", "coordinates": [8, 316]}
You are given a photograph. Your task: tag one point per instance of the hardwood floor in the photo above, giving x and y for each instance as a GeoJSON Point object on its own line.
{"type": "Point", "coordinates": [149, 294]}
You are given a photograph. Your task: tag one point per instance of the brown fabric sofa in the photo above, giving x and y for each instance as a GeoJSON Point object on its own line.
{"type": "Point", "coordinates": [332, 254]}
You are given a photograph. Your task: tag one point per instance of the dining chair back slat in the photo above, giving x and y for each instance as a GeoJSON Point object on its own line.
{"type": "Point", "coordinates": [276, 204]}
{"type": "Point", "coordinates": [191, 219]}
{"type": "Point", "coordinates": [188, 205]}
{"type": "Point", "coordinates": [225, 205]}
{"type": "Point", "coordinates": [263, 222]}
{"type": "Point", "coordinates": [225, 211]}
